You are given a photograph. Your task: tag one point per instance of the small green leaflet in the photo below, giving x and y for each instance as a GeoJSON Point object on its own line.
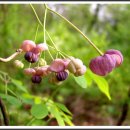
{"type": "Point", "coordinates": [100, 81]}
{"type": "Point", "coordinates": [63, 108]}
{"type": "Point", "coordinates": [39, 111]}
{"type": "Point", "coordinates": [12, 100]}
{"type": "Point", "coordinates": [19, 85]}
{"type": "Point", "coordinates": [81, 81]}
{"type": "Point", "coordinates": [54, 111]}
{"type": "Point", "coordinates": [67, 119]}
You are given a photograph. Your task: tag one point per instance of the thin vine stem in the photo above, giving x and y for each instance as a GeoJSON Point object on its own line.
{"type": "Point", "coordinates": [36, 33]}
{"type": "Point", "coordinates": [44, 24]}
{"type": "Point", "coordinates": [36, 15]}
{"type": "Point", "coordinates": [52, 41]}
{"type": "Point", "coordinates": [50, 54]}
{"type": "Point", "coordinates": [59, 51]}
{"type": "Point", "coordinates": [76, 29]}
{"type": "Point", "coordinates": [70, 24]}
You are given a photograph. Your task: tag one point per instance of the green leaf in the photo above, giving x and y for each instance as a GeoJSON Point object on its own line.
{"type": "Point", "coordinates": [39, 111]}
{"type": "Point", "coordinates": [19, 85]}
{"type": "Point", "coordinates": [63, 108]}
{"type": "Point", "coordinates": [12, 100]}
{"type": "Point", "coordinates": [68, 121]}
{"type": "Point", "coordinates": [54, 111]}
{"type": "Point", "coordinates": [37, 100]}
{"type": "Point", "coordinates": [88, 78]}
{"type": "Point", "coordinates": [101, 83]}
{"type": "Point", "coordinates": [81, 81]}
{"type": "Point", "coordinates": [3, 96]}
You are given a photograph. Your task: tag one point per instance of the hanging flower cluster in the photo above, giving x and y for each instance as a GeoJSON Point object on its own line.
{"type": "Point", "coordinates": [58, 70]}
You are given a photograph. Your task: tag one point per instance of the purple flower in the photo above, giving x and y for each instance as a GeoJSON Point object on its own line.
{"type": "Point", "coordinates": [102, 65]}
{"type": "Point", "coordinates": [57, 65]}
{"type": "Point", "coordinates": [117, 55]}
{"type": "Point", "coordinates": [36, 79]}
{"type": "Point", "coordinates": [31, 57]}
{"type": "Point", "coordinates": [61, 75]}
{"type": "Point", "coordinates": [28, 45]}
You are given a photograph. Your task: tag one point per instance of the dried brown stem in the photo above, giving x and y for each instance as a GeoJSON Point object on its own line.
{"type": "Point", "coordinates": [4, 112]}
{"type": "Point", "coordinates": [124, 112]}
{"type": "Point", "coordinates": [19, 51]}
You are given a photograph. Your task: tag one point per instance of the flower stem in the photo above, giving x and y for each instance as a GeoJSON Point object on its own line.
{"type": "Point", "coordinates": [52, 41]}
{"type": "Point", "coordinates": [36, 33]}
{"type": "Point", "coordinates": [76, 29]}
{"type": "Point", "coordinates": [44, 24]}
{"type": "Point", "coordinates": [50, 54]}
{"type": "Point", "coordinates": [69, 23]}
{"type": "Point", "coordinates": [36, 15]}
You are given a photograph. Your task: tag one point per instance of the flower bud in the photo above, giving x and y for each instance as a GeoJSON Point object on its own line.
{"type": "Point", "coordinates": [18, 64]}
{"type": "Point", "coordinates": [31, 57]}
{"type": "Point", "coordinates": [77, 62]}
{"type": "Point", "coordinates": [117, 55]}
{"type": "Point", "coordinates": [28, 45]}
{"type": "Point", "coordinates": [42, 62]}
{"type": "Point", "coordinates": [71, 67]}
{"type": "Point", "coordinates": [81, 71]}
{"type": "Point", "coordinates": [29, 71]}
{"type": "Point", "coordinates": [36, 79]}
{"type": "Point", "coordinates": [76, 67]}
{"type": "Point", "coordinates": [102, 65]}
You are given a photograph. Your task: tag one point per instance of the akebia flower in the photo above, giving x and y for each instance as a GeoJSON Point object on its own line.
{"type": "Point", "coordinates": [29, 71]}
{"type": "Point", "coordinates": [57, 65]}
{"type": "Point", "coordinates": [42, 47]}
{"type": "Point", "coordinates": [36, 79]}
{"type": "Point", "coordinates": [31, 57]}
{"type": "Point", "coordinates": [102, 65]}
{"type": "Point", "coordinates": [117, 55]}
{"type": "Point", "coordinates": [61, 75]}
{"type": "Point", "coordinates": [76, 67]}
{"type": "Point", "coordinates": [80, 71]}
{"type": "Point", "coordinates": [42, 71]}
{"type": "Point", "coordinates": [28, 45]}
{"type": "Point", "coordinates": [39, 48]}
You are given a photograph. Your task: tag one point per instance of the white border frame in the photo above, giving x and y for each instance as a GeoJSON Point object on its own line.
{"type": "Point", "coordinates": [65, 127]}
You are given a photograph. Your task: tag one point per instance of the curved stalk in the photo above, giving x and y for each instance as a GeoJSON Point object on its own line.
{"type": "Point", "coordinates": [76, 29]}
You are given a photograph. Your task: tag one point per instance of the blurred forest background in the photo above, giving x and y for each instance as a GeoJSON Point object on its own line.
{"type": "Point", "coordinates": [107, 25]}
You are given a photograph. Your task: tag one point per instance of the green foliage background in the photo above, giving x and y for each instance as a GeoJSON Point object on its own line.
{"type": "Point", "coordinates": [18, 22]}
